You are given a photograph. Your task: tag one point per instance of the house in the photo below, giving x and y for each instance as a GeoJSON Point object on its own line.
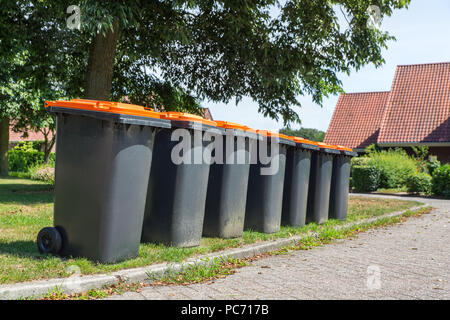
{"type": "Point", "coordinates": [207, 114]}
{"type": "Point", "coordinates": [415, 112]}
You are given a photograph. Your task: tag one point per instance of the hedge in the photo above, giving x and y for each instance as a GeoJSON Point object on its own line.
{"type": "Point", "coordinates": [419, 183]}
{"type": "Point", "coordinates": [395, 166]}
{"type": "Point", "coordinates": [365, 178]}
{"type": "Point", "coordinates": [441, 181]}
{"type": "Point", "coordinates": [24, 156]}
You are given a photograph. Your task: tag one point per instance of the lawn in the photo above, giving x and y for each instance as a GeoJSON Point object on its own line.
{"type": "Point", "coordinates": [26, 206]}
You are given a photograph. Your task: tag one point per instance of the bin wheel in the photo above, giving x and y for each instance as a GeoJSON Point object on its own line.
{"type": "Point", "coordinates": [49, 240]}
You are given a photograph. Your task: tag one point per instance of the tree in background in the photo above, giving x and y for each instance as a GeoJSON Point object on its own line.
{"type": "Point", "coordinates": [307, 133]}
{"type": "Point", "coordinates": [175, 52]}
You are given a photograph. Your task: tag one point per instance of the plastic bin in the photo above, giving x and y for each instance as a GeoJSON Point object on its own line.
{"type": "Point", "coordinates": [176, 196]}
{"type": "Point", "coordinates": [296, 182]}
{"type": "Point", "coordinates": [103, 159]}
{"type": "Point", "coordinates": [228, 181]}
{"type": "Point", "coordinates": [340, 180]}
{"type": "Point", "coordinates": [265, 191]}
{"type": "Point", "coordinates": [320, 183]}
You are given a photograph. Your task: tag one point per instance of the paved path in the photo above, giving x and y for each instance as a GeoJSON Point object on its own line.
{"type": "Point", "coordinates": [406, 261]}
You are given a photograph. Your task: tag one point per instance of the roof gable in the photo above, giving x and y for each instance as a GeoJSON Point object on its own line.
{"type": "Point", "coordinates": [356, 119]}
{"type": "Point", "coordinates": [418, 108]}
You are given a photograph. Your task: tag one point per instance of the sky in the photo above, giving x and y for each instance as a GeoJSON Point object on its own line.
{"type": "Point", "coordinates": [423, 36]}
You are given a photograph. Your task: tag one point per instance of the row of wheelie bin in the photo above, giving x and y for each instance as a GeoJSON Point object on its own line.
{"type": "Point", "coordinates": [124, 175]}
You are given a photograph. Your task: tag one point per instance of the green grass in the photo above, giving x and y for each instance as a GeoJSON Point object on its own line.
{"type": "Point", "coordinates": [26, 206]}
{"type": "Point", "coordinates": [197, 273]}
{"type": "Point", "coordinates": [391, 191]}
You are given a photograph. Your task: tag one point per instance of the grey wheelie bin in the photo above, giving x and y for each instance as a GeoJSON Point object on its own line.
{"type": "Point", "coordinates": [296, 182]}
{"type": "Point", "coordinates": [266, 182]}
{"type": "Point", "coordinates": [176, 197]}
{"type": "Point", "coordinates": [228, 181]}
{"type": "Point", "coordinates": [320, 183]}
{"type": "Point", "coordinates": [340, 180]}
{"type": "Point", "coordinates": [103, 159]}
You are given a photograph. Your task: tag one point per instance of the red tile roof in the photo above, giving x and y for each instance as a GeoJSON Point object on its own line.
{"type": "Point", "coordinates": [207, 114]}
{"type": "Point", "coordinates": [356, 119]}
{"type": "Point", "coordinates": [418, 108]}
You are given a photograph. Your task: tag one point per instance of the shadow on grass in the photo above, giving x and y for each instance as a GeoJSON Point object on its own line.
{"type": "Point", "coordinates": [22, 193]}
{"type": "Point", "coordinates": [21, 249]}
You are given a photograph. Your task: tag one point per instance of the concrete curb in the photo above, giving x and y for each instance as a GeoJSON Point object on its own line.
{"type": "Point", "coordinates": [77, 283]}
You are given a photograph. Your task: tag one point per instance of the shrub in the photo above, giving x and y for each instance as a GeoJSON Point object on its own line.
{"type": "Point", "coordinates": [372, 148]}
{"type": "Point", "coordinates": [395, 166]}
{"type": "Point", "coordinates": [419, 183]}
{"type": "Point", "coordinates": [432, 164]}
{"type": "Point", "coordinates": [365, 178]}
{"type": "Point", "coordinates": [43, 173]}
{"type": "Point", "coordinates": [25, 156]}
{"type": "Point", "coordinates": [360, 161]}
{"type": "Point", "coordinates": [441, 181]}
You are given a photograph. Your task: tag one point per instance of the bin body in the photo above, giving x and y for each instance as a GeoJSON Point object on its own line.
{"type": "Point", "coordinates": [227, 188]}
{"type": "Point", "coordinates": [265, 193]}
{"type": "Point", "coordinates": [319, 187]}
{"type": "Point", "coordinates": [296, 183]}
{"type": "Point", "coordinates": [176, 197]}
{"type": "Point", "coordinates": [101, 177]}
{"type": "Point", "coordinates": [340, 187]}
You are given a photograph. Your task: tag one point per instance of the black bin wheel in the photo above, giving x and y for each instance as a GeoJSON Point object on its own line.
{"type": "Point", "coordinates": [49, 240]}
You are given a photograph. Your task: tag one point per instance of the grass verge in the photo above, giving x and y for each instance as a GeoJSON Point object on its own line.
{"type": "Point", "coordinates": [26, 206]}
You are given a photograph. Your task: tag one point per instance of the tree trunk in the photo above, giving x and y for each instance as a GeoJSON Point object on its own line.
{"type": "Point", "coordinates": [48, 145]}
{"type": "Point", "coordinates": [100, 65]}
{"type": "Point", "coordinates": [4, 145]}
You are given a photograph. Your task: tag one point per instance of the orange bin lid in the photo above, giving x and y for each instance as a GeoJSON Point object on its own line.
{"type": "Point", "coordinates": [269, 133]}
{"type": "Point", "coordinates": [344, 148]}
{"type": "Point", "coordinates": [303, 140]}
{"type": "Point", "coordinates": [105, 106]}
{"type": "Point", "coordinates": [183, 116]}
{"type": "Point", "coordinates": [233, 125]}
{"type": "Point", "coordinates": [324, 145]}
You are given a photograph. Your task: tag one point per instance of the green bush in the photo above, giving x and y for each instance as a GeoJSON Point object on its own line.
{"type": "Point", "coordinates": [419, 183]}
{"type": "Point", "coordinates": [51, 159]}
{"type": "Point", "coordinates": [432, 164]}
{"type": "Point", "coordinates": [365, 178]}
{"type": "Point", "coordinates": [42, 172]}
{"type": "Point", "coordinates": [441, 181]}
{"type": "Point", "coordinates": [25, 156]}
{"type": "Point", "coordinates": [395, 166]}
{"type": "Point", "coordinates": [360, 161]}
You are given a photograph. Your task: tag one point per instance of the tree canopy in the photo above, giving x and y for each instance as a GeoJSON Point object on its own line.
{"type": "Point", "coordinates": [272, 51]}
{"type": "Point", "coordinates": [175, 53]}
{"type": "Point", "coordinates": [307, 133]}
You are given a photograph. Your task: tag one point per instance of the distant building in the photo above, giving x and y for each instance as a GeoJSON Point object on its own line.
{"type": "Point", "coordinates": [16, 137]}
{"type": "Point", "coordinates": [207, 114]}
{"type": "Point", "coordinates": [416, 112]}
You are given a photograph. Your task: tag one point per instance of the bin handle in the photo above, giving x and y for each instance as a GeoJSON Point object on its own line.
{"type": "Point", "coordinates": [103, 105]}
